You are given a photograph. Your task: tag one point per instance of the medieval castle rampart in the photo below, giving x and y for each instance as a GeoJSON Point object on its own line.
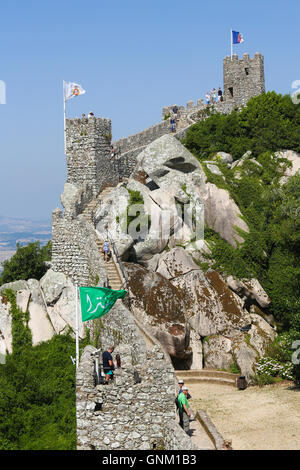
{"type": "Point", "coordinates": [126, 415]}
{"type": "Point", "coordinates": [90, 168]}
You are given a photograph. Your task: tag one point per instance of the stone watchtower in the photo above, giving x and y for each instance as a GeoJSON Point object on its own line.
{"type": "Point", "coordinates": [243, 78]}
{"type": "Point", "coordinates": [88, 153]}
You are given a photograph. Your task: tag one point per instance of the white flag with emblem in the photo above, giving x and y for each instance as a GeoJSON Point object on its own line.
{"type": "Point", "coordinates": [72, 89]}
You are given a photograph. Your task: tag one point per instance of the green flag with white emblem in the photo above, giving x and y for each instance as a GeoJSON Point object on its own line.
{"type": "Point", "coordinates": [97, 301]}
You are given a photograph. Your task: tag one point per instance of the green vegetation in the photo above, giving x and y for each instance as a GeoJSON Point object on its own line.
{"type": "Point", "coordinates": [234, 368]}
{"type": "Point", "coordinates": [270, 252]}
{"type": "Point", "coordinates": [144, 220]}
{"type": "Point", "coordinates": [37, 400]}
{"type": "Point", "coordinates": [271, 249]}
{"type": "Point", "coordinates": [28, 262]}
{"type": "Point", "coordinates": [269, 122]}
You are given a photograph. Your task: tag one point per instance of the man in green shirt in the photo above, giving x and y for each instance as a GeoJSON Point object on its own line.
{"type": "Point", "coordinates": [184, 413]}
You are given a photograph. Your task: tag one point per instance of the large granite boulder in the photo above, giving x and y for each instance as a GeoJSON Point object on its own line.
{"type": "Point", "coordinates": [52, 284]}
{"type": "Point", "coordinates": [249, 290]}
{"type": "Point", "coordinates": [212, 308]}
{"type": "Point", "coordinates": [74, 199]}
{"type": "Point", "coordinates": [221, 213]}
{"type": "Point", "coordinates": [5, 326]}
{"type": "Point", "coordinates": [292, 157]}
{"type": "Point", "coordinates": [175, 262]}
{"type": "Point", "coordinates": [110, 218]}
{"type": "Point", "coordinates": [217, 352]}
{"type": "Point", "coordinates": [173, 169]}
{"type": "Point", "coordinates": [63, 313]}
{"type": "Point", "coordinates": [224, 157]}
{"type": "Point", "coordinates": [160, 307]}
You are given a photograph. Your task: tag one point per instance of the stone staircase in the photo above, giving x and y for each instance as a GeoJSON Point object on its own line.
{"type": "Point", "coordinates": [208, 376]}
{"type": "Point", "coordinates": [114, 279]}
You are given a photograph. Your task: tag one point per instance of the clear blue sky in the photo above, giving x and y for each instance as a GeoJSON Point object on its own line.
{"type": "Point", "coordinates": [132, 57]}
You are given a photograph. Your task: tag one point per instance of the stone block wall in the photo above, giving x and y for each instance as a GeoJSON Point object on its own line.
{"type": "Point", "coordinates": [243, 78]}
{"type": "Point", "coordinates": [127, 415]}
{"type": "Point", "coordinates": [74, 250]}
{"type": "Point", "coordinates": [88, 153]}
{"type": "Point", "coordinates": [142, 138]}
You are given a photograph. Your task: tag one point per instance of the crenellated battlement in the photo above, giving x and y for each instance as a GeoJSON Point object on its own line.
{"type": "Point", "coordinates": [142, 138]}
{"type": "Point", "coordinates": [243, 78]}
{"type": "Point", "coordinates": [88, 153]}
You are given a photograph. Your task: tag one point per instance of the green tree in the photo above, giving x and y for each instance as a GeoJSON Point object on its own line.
{"type": "Point", "coordinates": [269, 122]}
{"type": "Point", "coordinates": [28, 262]}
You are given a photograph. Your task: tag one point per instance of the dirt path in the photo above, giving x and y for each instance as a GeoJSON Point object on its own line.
{"type": "Point", "coordinates": [266, 418]}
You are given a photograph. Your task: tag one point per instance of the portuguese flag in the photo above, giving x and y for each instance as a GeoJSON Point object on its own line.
{"type": "Point", "coordinates": [97, 301]}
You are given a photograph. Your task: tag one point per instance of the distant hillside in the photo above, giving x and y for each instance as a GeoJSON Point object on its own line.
{"type": "Point", "coordinates": [22, 231]}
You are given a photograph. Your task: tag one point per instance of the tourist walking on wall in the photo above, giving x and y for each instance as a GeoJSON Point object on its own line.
{"type": "Point", "coordinates": [208, 98]}
{"type": "Point", "coordinates": [112, 152]}
{"type": "Point", "coordinates": [184, 413]}
{"type": "Point", "coordinates": [220, 94]}
{"type": "Point", "coordinates": [106, 250]}
{"type": "Point", "coordinates": [108, 364]}
{"type": "Point", "coordinates": [214, 95]}
{"type": "Point", "coordinates": [172, 124]}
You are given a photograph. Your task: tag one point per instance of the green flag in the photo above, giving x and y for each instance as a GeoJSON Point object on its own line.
{"type": "Point", "coordinates": [97, 301]}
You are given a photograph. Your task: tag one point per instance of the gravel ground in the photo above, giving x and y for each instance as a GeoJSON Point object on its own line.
{"type": "Point", "coordinates": [258, 418]}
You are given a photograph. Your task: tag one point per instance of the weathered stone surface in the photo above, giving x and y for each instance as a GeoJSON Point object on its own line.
{"type": "Point", "coordinates": [39, 324]}
{"type": "Point", "coordinates": [294, 158]}
{"type": "Point", "coordinates": [110, 218]}
{"type": "Point", "coordinates": [66, 308]}
{"type": "Point", "coordinates": [213, 168]}
{"type": "Point", "coordinates": [175, 263]}
{"type": "Point", "coordinates": [196, 347]}
{"type": "Point", "coordinates": [245, 356]}
{"type": "Point", "coordinates": [225, 157]}
{"type": "Point", "coordinates": [221, 213]}
{"type": "Point", "coordinates": [217, 352]}
{"type": "Point", "coordinates": [15, 285]}
{"type": "Point", "coordinates": [22, 299]}
{"type": "Point", "coordinates": [261, 334]}
{"type": "Point", "coordinates": [53, 284]}
{"type": "Point", "coordinates": [249, 289]}
{"type": "Point", "coordinates": [58, 323]}
{"type": "Point", "coordinates": [159, 305]}
{"type": "Point", "coordinates": [5, 326]}
{"type": "Point", "coordinates": [211, 306]}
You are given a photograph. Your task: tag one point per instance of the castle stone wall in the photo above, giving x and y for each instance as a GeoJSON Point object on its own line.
{"type": "Point", "coordinates": [243, 78]}
{"type": "Point", "coordinates": [88, 153]}
{"type": "Point", "coordinates": [127, 415]}
{"type": "Point", "coordinates": [74, 250]}
{"type": "Point", "coordinates": [142, 138]}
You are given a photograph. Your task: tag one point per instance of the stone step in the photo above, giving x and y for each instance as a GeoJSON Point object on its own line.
{"type": "Point", "coordinates": [212, 380]}
{"type": "Point", "coordinates": [206, 373]}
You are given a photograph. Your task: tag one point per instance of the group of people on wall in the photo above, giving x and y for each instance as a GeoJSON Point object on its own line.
{"type": "Point", "coordinates": [214, 96]}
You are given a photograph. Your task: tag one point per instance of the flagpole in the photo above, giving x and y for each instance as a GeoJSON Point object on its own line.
{"type": "Point", "coordinates": [231, 46]}
{"type": "Point", "coordinates": [64, 117]}
{"type": "Point", "coordinates": [77, 328]}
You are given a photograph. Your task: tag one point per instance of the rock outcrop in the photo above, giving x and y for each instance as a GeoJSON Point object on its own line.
{"type": "Point", "coordinates": [50, 303]}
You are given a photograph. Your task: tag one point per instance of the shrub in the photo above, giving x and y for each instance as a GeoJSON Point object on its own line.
{"type": "Point", "coordinates": [268, 122]}
{"type": "Point", "coordinates": [28, 262]}
{"type": "Point", "coordinates": [272, 368]}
